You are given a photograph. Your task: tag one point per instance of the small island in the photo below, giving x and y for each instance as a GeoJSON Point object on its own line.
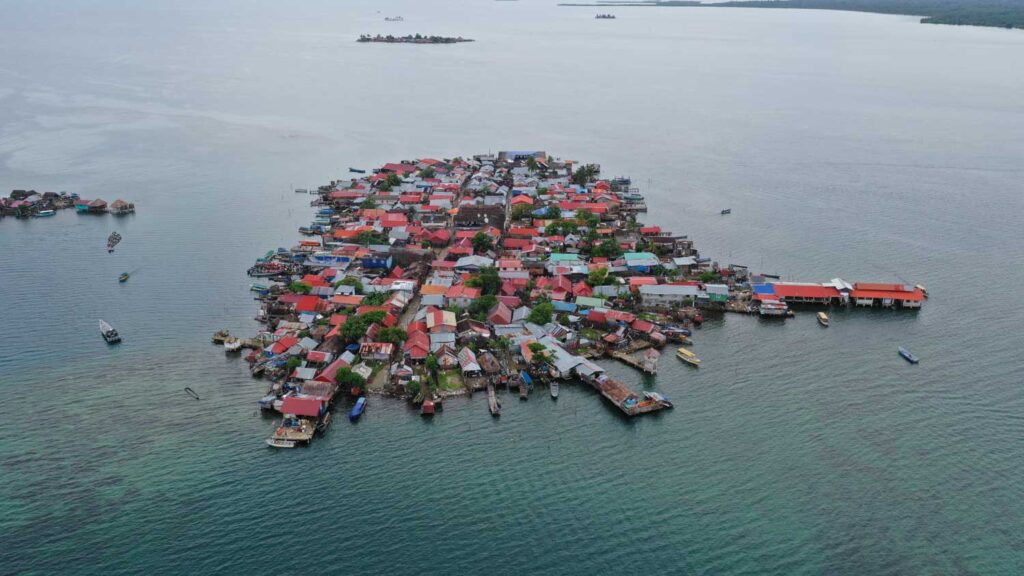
{"type": "Point", "coordinates": [412, 39]}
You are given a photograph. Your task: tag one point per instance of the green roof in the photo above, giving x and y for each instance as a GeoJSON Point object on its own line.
{"type": "Point", "coordinates": [563, 257]}
{"type": "Point", "coordinates": [588, 302]}
{"type": "Point", "coordinates": [638, 256]}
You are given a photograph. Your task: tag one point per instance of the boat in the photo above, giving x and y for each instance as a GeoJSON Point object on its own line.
{"type": "Point", "coordinates": [394, 19]}
{"type": "Point", "coordinates": [191, 392]}
{"type": "Point", "coordinates": [324, 422]}
{"type": "Point", "coordinates": [113, 241]}
{"type": "Point", "coordinates": [357, 410]}
{"type": "Point", "coordinates": [46, 213]}
{"type": "Point", "coordinates": [292, 431]}
{"type": "Point", "coordinates": [357, 171]}
{"type": "Point", "coordinates": [924, 291]}
{"type": "Point", "coordinates": [605, 17]}
{"type": "Point", "coordinates": [688, 357]}
{"type": "Point", "coordinates": [554, 389]}
{"type": "Point", "coordinates": [232, 344]}
{"type": "Point", "coordinates": [301, 191]}
{"type": "Point", "coordinates": [823, 319]}
{"type": "Point", "coordinates": [428, 408]}
{"type": "Point", "coordinates": [257, 287]}
{"type": "Point", "coordinates": [267, 402]}
{"type": "Point", "coordinates": [108, 333]}
{"type": "Point", "coordinates": [907, 355]}
{"type": "Point", "coordinates": [123, 277]}
{"type": "Point", "coordinates": [727, 211]}
{"type": "Point", "coordinates": [659, 399]}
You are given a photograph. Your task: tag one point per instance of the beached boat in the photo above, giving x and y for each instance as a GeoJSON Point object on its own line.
{"type": "Point", "coordinates": [688, 357]}
{"type": "Point", "coordinates": [108, 333]}
{"type": "Point", "coordinates": [123, 277]}
{"type": "Point", "coordinates": [554, 389]}
{"type": "Point", "coordinates": [113, 240]}
{"type": "Point", "coordinates": [823, 319]}
{"type": "Point", "coordinates": [357, 410]}
{"type": "Point", "coordinates": [907, 355]}
{"type": "Point", "coordinates": [46, 213]}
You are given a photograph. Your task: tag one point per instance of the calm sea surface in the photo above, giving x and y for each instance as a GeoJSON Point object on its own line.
{"type": "Point", "coordinates": [853, 145]}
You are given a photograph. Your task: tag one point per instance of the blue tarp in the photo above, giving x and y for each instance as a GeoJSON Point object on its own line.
{"type": "Point", "coordinates": [526, 377]}
{"type": "Point", "coordinates": [563, 306]}
{"type": "Point", "coordinates": [764, 289]}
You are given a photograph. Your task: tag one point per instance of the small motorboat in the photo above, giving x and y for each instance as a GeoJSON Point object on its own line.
{"type": "Point", "coordinates": [823, 319]}
{"type": "Point", "coordinates": [357, 171]}
{"type": "Point", "coordinates": [726, 211]}
{"type": "Point", "coordinates": [659, 399]}
{"type": "Point", "coordinates": [688, 357]}
{"type": "Point", "coordinates": [428, 408]}
{"type": "Point", "coordinates": [324, 422]}
{"type": "Point", "coordinates": [46, 213]}
{"type": "Point", "coordinates": [554, 389]}
{"type": "Point", "coordinates": [301, 191]}
{"type": "Point", "coordinates": [123, 277]}
{"type": "Point", "coordinates": [357, 410]}
{"type": "Point", "coordinates": [280, 443]}
{"type": "Point", "coordinates": [108, 333]}
{"type": "Point", "coordinates": [232, 344]}
{"type": "Point", "coordinates": [907, 355]}
{"type": "Point", "coordinates": [924, 291]}
{"type": "Point", "coordinates": [267, 402]}
{"type": "Point", "coordinates": [191, 392]}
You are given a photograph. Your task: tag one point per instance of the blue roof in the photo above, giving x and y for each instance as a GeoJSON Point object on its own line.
{"type": "Point", "coordinates": [764, 288]}
{"type": "Point", "coordinates": [563, 306]}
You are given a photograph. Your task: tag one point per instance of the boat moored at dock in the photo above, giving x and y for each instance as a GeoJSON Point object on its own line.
{"type": "Point", "coordinates": [292, 430]}
{"type": "Point", "coordinates": [357, 410]}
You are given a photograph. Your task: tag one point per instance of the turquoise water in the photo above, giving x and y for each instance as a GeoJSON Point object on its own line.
{"type": "Point", "coordinates": [853, 145]}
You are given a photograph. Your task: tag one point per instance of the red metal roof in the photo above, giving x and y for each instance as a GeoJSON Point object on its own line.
{"type": "Point", "coordinates": [301, 406]}
{"type": "Point", "coordinates": [805, 291]}
{"type": "Point", "coordinates": [915, 296]}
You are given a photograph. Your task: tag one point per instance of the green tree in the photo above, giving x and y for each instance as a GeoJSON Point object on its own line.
{"type": "Point", "coordinates": [394, 180]}
{"type": "Point", "coordinates": [584, 174]}
{"type": "Point", "coordinates": [608, 248]}
{"type": "Point", "coordinates": [368, 204]}
{"type": "Point", "coordinates": [490, 282]}
{"type": "Point", "coordinates": [589, 219]}
{"type": "Point", "coordinates": [521, 211]}
{"type": "Point", "coordinates": [394, 334]}
{"type": "Point", "coordinates": [598, 277]}
{"type": "Point", "coordinates": [299, 288]}
{"type": "Point", "coordinates": [554, 212]}
{"type": "Point", "coordinates": [481, 306]}
{"type": "Point", "coordinates": [707, 276]}
{"type": "Point", "coordinates": [482, 242]}
{"type": "Point", "coordinates": [292, 364]}
{"type": "Point", "coordinates": [346, 378]}
{"type": "Point", "coordinates": [353, 282]}
{"type": "Point", "coordinates": [541, 313]}
{"type": "Point", "coordinates": [531, 163]}
{"type": "Point", "coordinates": [356, 326]}
{"type": "Point", "coordinates": [428, 172]}
{"type": "Point", "coordinates": [376, 298]}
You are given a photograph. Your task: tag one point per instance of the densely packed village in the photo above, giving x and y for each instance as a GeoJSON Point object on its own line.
{"type": "Point", "coordinates": [496, 273]}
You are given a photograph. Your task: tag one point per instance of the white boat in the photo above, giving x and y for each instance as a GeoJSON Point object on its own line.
{"type": "Point", "coordinates": [232, 345]}
{"type": "Point", "coordinates": [108, 333]}
{"type": "Point", "coordinates": [279, 443]}
{"type": "Point", "coordinates": [554, 389]}
{"type": "Point", "coordinates": [823, 319]}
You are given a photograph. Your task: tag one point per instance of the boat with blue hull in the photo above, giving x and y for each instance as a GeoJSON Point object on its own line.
{"type": "Point", "coordinates": [907, 355]}
{"type": "Point", "coordinates": [358, 409]}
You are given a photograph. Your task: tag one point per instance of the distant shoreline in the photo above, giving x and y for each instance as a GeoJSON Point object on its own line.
{"type": "Point", "coordinates": [986, 13]}
{"type": "Point", "coordinates": [412, 39]}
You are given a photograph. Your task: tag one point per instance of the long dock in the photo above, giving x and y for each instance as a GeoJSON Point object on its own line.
{"type": "Point", "coordinates": [625, 399]}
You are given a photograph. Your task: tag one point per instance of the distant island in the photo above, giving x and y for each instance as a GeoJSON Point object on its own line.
{"type": "Point", "coordinates": [992, 13]}
{"type": "Point", "coordinates": [412, 39]}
